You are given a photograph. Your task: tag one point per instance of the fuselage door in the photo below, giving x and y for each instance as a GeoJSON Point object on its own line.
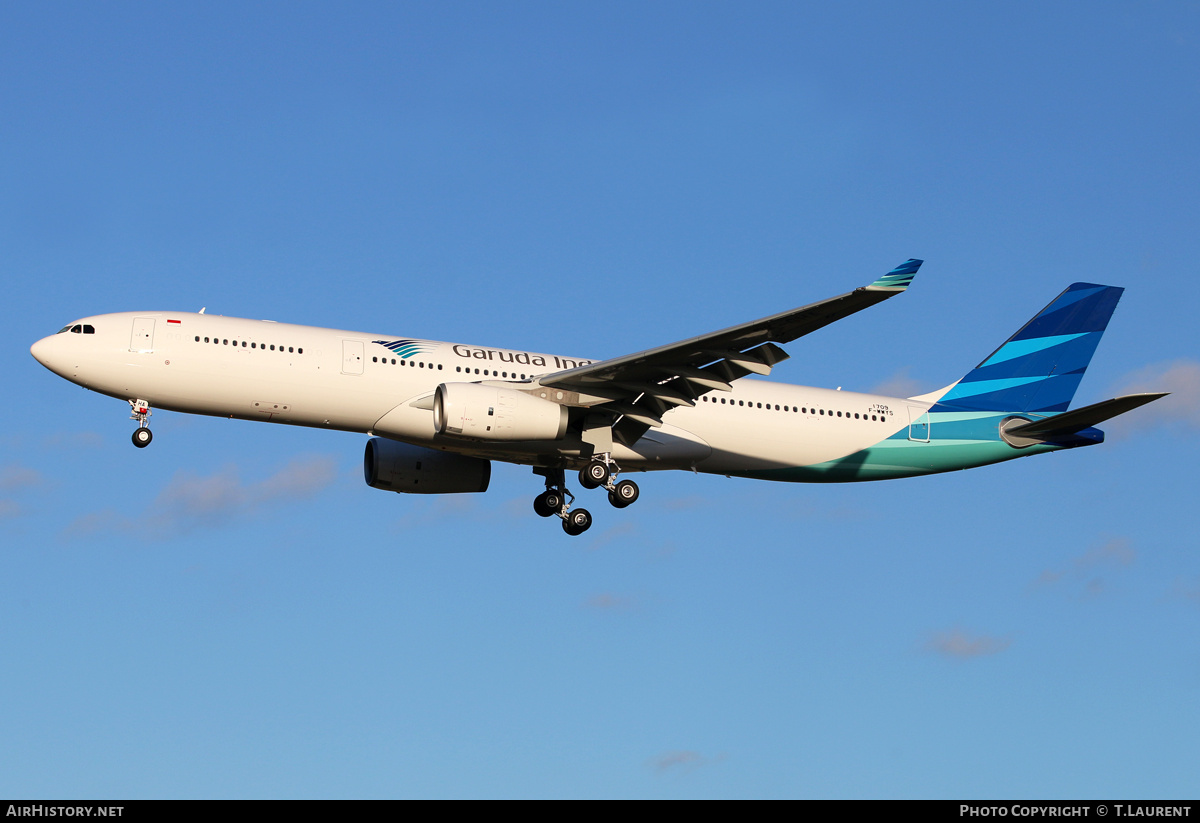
{"type": "Point", "coordinates": [918, 426]}
{"type": "Point", "coordinates": [142, 338]}
{"type": "Point", "coordinates": [353, 353]}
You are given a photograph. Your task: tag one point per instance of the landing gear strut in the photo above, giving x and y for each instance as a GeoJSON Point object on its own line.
{"type": "Point", "coordinates": [553, 501]}
{"type": "Point", "coordinates": [141, 413]}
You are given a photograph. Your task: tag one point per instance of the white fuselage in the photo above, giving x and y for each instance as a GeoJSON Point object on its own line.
{"type": "Point", "coordinates": [328, 378]}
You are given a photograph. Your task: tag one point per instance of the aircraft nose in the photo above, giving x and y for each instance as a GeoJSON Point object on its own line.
{"type": "Point", "coordinates": [39, 350]}
{"type": "Point", "coordinates": [45, 351]}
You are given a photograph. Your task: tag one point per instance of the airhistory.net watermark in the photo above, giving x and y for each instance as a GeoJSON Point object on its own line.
{"type": "Point", "coordinates": [41, 810]}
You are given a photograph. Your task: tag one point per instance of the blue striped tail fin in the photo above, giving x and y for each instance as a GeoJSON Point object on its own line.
{"type": "Point", "coordinates": [1039, 368]}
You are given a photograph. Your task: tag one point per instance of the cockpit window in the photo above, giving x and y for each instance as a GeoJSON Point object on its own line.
{"type": "Point", "coordinates": [89, 329]}
{"type": "Point", "coordinates": [77, 329]}
{"type": "Point", "coordinates": [63, 329]}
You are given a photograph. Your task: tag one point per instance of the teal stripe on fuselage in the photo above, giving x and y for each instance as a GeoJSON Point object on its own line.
{"type": "Point", "coordinates": [960, 440]}
{"type": "Point", "coordinates": [966, 425]}
{"type": "Point", "coordinates": [900, 458]}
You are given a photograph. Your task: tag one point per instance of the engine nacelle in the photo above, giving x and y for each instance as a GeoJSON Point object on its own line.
{"type": "Point", "coordinates": [400, 467]}
{"type": "Point", "coordinates": [491, 413]}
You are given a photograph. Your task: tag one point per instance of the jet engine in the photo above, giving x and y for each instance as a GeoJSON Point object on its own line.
{"type": "Point", "coordinates": [400, 467]}
{"type": "Point", "coordinates": [482, 412]}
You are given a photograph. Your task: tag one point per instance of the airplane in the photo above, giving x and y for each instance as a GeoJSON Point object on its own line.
{"type": "Point", "coordinates": [438, 413]}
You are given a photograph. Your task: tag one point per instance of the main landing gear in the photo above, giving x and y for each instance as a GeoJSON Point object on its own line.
{"type": "Point", "coordinates": [557, 499]}
{"type": "Point", "coordinates": [553, 501]}
{"type": "Point", "coordinates": [602, 472]}
{"type": "Point", "coordinates": [141, 413]}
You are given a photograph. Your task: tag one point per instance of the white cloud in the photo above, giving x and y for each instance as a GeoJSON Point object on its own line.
{"type": "Point", "coordinates": [612, 534]}
{"type": "Point", "coordinates": [680, 504]}
{"type": "Point", "coordinates": [429, 510]}
{"type": "Point", "coordinates": [681, 762]}
{"type": "Point", "coordinates": [73, 440]}
{"type": "Point", "coordinates": [1114, 552]}
{"type": "Point", "coordinates": [958, 644]}
{"type": "Point", "coordinates": [190, 501]}
{"type": "Point", "coordinates": [15, 476]}
{"type": "Point", "coordinates": [1180, 410]}
{"type": "Point", "coordinates": [900, 385]}
{"type": "Point", "coordinates": [1187, 591]}
{"type": "Point", "coordinates": [609, 602]}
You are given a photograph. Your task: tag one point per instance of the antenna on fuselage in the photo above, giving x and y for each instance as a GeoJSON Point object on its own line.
{"type": "Point", "coordinates": [202, 309]}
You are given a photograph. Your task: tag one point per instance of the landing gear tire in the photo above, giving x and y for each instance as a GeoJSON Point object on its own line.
{"type": "Point", "coordinates": [624, 494]}
{"type": "Point", "coordinates": [547, 503]}
{"type": "Point", "coordinates": [142, 437]}
{"type": "Point", "coordinates": [593, 475]}
{"type": "Point", "coordinates": [577, 522]}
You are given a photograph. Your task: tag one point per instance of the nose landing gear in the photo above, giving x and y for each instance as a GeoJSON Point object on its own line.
{"type": "Point", "coordinates": [141, 413]}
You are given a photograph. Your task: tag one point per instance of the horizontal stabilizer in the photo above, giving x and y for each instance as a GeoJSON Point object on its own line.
{"type": "Point", "coordinates": [1082, 418]}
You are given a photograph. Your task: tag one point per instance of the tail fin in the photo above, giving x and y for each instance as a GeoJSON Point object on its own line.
{"type": "Point", "coordinates": [1039, 368]}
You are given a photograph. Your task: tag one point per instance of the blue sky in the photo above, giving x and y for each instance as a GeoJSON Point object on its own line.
{"type": "Point", "coordinates": [233, 613]}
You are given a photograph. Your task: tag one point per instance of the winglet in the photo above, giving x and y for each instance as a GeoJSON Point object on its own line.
{"type": "Point", "coordinates": [898, 278]}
